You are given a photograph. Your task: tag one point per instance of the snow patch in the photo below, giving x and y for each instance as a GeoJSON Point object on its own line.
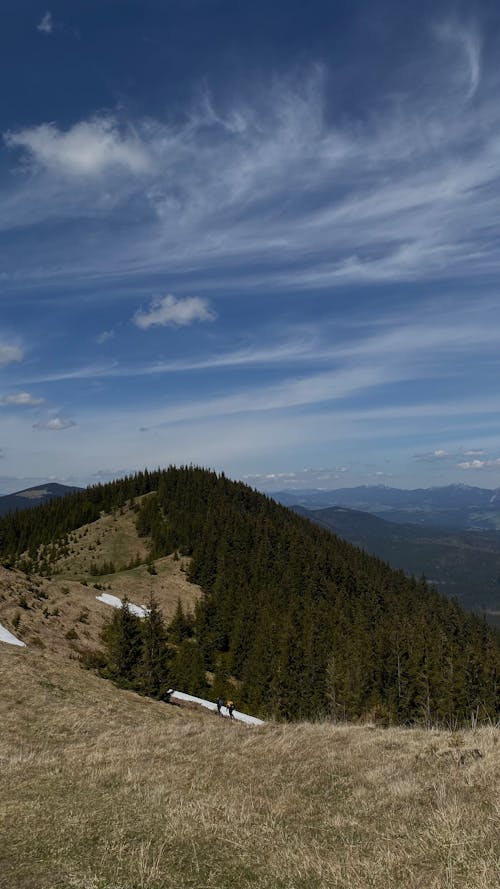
{"type": "Point", "coordinates": [241, 717]}
{"type": "Point", "coordinates": [7, 636]}
{"type": "Point", "coordinates": [116, 602]}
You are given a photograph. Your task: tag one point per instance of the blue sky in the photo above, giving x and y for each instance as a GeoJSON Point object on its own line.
{"type": "Point", "coordinates": [260, 237]}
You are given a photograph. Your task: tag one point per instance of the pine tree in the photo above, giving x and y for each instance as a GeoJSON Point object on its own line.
{"type": "Point", "coordinates": [122, 639]}
{"type": "Point", "coordinates": [188, 671]}
{"type": "Point", "coordinates": [153, 673]}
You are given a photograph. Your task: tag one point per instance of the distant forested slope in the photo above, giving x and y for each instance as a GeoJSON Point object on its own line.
{"type": "Point", "coordinates": [463, 564]}
{"type": "Point", "coordinates": [34, 496]}
{"type": "Point", "coordinates": [306, 623]}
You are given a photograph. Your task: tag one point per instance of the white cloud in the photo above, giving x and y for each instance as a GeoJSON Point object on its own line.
{"type": "Point", "coordinates": [24, 399]}
{"type": "Point", "coordinates": [46, 24]}
{"type": "Point", "coordinates": [432, 456]}
{"type": "Point", "coordinates": [55, 424]}
{"type": "Point", "coordinates": [87, 149]}
{"type": "Point", "coordinates": [9, 354]}
{"type": "Point", "coordinates": [167, 310]}
{"type": "Point", "coordinates": [480, 464]}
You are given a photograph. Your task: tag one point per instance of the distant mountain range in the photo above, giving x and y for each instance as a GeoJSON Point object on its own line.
{"type": "Point", "coordinates": [33, 496]}
{"type": "Point", "coordinates": [462, 564]}
{"type": "Point", "coordinates": [450, 507]}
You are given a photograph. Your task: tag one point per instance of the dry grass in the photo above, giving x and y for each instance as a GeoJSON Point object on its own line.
{"type": "Point", "coordinates": [103, 789]}
{"type": "Point", "coordinates": [43, 612]}
{"type": "Point", "coordinates": [112, 538]}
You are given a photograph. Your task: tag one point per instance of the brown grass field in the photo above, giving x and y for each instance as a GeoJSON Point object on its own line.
{"type": "Point", "coordinates": [103, 789]}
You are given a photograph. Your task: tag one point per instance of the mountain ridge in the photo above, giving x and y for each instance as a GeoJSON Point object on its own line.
{"type": "Point", "coordinates": [34, 496]}
{"type": "Point", "coordinates": [451, 507]}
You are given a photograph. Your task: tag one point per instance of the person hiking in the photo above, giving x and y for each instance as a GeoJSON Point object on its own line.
{"type": "Point", "coordinates": [220, 704]}
{"type": "Point", "coordinates": [230, 709]}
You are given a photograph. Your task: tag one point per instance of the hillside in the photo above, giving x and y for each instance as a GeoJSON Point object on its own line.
{"type": "Point", "coordinates": [35, 496]}
{"type": "Point", "coordinates": [449, 507]}
{"type": "Point", "coordinates": [305, 624]}
{"type": "Point", "coordinates": [103, 789]}
{"type": "Point", "coordinates": [61, 611]}
{"type": "Point", "coordinates": [462, 564]}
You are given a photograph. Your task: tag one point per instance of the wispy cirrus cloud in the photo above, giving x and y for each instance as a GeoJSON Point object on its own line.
{"type": "Point", "coordinates": [105, 336]}
{"type": "Point", "coordinates": [467, 41]}
{"type": "Point", "coordinates": [21, 399]}
{"type": "Point", "coordinates": [433, 456]}
{"type": "Point", "coordinates": [168, 311]}
{"type": "Point", "coordinates": [10, 353]}
{"type": "Point", "coordinates": [442, 455]}
{"type": "Point", "coordinates": [46, 23]}
{"type": "Point", "coordinates": [55, 424]}
{"type": "Point", "coordinates": [405, 193]}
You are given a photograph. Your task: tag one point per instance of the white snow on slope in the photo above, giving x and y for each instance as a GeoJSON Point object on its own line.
{"type": "Point", "coordinates": [6, 636]}
{"type": "Point", "coordinates": [241, 717]}
{"type": "Point", "coordinates": [115, 602]}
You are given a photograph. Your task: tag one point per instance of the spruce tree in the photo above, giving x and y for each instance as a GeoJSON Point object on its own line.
{"type": "Point", "coordinates": [153, 673]}
{"type": "Point", "coordinates": [122, 639]}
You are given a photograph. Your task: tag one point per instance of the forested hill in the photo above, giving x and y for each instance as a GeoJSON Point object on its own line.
{"type": "Point", "coordinates": [306, 623]}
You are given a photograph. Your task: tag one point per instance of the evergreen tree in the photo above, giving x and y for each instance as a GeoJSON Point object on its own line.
{"type": "Point", "coordinates": [153, 673]}
{"type": "Point", "coordinates": [188, 670]}
{"type": "Point", "coordinates": [122, 640]}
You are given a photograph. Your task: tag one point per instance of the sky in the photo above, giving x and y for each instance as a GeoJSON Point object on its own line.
{"type": "Point", "coordinates": [260, 237]}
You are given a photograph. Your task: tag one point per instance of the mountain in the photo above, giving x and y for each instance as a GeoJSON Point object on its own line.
{"type": "Point", "coordinates": [452, 506]}
{"type": "Point", "coordinates": [33, 496]}
{"type": "Point", "coordinates": [462, 564]}
{"type": "Point", "coordinates": [301, 623]}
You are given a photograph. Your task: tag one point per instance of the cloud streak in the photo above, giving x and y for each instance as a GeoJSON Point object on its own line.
{"type": "Point", "coordinates": [55, 424]}
{"type": "Point", "coordinates": [406, 193]}
{"type": "Point", "coordinates": [21, 399]}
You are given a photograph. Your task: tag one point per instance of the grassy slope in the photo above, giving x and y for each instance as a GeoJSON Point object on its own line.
{"type": "Point", "coordinates": [103, 789]}
{"type": "Point", "coordinates": [65, 604]}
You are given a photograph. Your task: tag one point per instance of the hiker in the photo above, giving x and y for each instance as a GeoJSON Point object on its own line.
{"type": "Point", "coordinates": [220, 704]}
{"type": "Point", "coordinates": [230, 709]}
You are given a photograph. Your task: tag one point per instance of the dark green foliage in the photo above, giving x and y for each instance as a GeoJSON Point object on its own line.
{"type": "Point", "coordinates": [188, 669]}
{"type": "Point", "coordinates": [100, 570]}
{"type": "Point", "coordinates": [153, 669]}
{"type": "Point", "coordinates": [305, 623]}
{"type": "Point", "coordinates": [122, 639]}
{"type": "Point", "coordinates": [182, 626]}
{"type": "Point", "coordinates": [136, 654]}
